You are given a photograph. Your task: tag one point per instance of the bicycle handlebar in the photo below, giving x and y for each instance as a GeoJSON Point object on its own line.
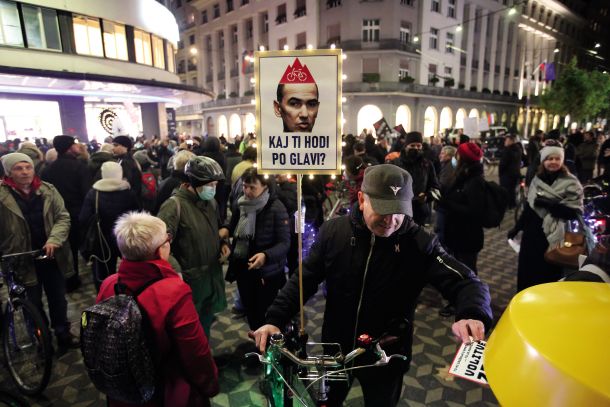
{"type": "Point", "coordinates": [39, 254]}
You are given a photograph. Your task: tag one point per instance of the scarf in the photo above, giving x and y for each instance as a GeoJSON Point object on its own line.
{"type": "Point", "coordinates": [565, 190]}
{"type": "Point", "coordinates": [248, 209]}
{"type": "Point", "coordinates": [35, 185]}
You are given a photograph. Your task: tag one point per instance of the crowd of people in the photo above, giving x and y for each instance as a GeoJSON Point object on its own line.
{"type": "Point", "coordinates": [181, 208]}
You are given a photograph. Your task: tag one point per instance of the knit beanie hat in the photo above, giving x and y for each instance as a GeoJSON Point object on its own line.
{"type": "Point", "coordinates": [414, 137]}
{"type": "Point", "coordinates": [470, 152]}
{"type": "Point", "coordinates": [124, 141]}
{"type": "Point", "coordinates": [9, 160]}
{"type": "Point", "coordinates": [63, 143]}
{"type": "Point", "coordinates": [551, 150]}
{"type": "Point", "coordinates": [112, 170]}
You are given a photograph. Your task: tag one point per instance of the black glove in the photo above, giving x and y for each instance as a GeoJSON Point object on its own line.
{"type": "Point", "coordinates": [544, 202]}
{"type": "Point", "coordinates": [512, 233]}
{"type": "Point", "coordinates": [556, 209]}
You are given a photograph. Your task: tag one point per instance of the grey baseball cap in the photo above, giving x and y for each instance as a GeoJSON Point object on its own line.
{"type": "Point", "coordinates": [390, 189]}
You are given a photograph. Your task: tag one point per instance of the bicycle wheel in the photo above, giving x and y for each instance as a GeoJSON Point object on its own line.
{"type": "Point", "coordinates": [27, 347]}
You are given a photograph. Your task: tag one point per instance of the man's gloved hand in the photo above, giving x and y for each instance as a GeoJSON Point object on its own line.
{"type": "Point", "coordinates": [512, 233]}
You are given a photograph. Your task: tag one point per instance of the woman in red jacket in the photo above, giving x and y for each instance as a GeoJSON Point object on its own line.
{"type": "Point", "coordinates": [189, 373]}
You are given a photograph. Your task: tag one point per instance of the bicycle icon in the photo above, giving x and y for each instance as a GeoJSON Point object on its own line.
{"type": "Point", "coordinates": [296, 74]}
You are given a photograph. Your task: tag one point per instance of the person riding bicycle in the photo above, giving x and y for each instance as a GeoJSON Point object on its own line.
{"type": "Point", "coordinates": [34, 216]}
{"type": "Point", "coordinates": [376, 261]}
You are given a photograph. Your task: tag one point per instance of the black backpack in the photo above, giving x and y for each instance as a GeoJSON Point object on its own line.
{"type": "Point", "coordinates": [93, 243]}
{"type": "Point", "coordinates": [118, 347]}
{"type": "Point", "coordinates": [496, 202]}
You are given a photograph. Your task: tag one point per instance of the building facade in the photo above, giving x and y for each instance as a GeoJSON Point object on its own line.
{"type": "Point", "coordinates": [425, 64]}
{"type": "Point", "coordinates": [71, 66]}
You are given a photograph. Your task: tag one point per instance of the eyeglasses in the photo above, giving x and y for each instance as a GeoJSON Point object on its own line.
{"type": "Point", "coordinates": [167, 240]}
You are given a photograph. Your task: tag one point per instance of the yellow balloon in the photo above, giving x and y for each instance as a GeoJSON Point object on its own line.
{"type": "Point", "coordinates": [551, 347]}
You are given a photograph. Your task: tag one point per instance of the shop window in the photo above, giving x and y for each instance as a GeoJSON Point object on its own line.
{"type": "Point", "coordinates": [88, 36]}
{"type": "Point", "coordinates": [115, 41]}
{"type": "Point", "coordinates": [41, 27]}
{"type": "Point", "coordinates": [158, 55]}
{"type": "Point", "coordinates": [171, 61]}
{"type": "Point", "coordinates": [143, 48]}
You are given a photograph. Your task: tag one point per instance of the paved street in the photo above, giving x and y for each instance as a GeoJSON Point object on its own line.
{"type": "Point", "coordinates": [426, 384]}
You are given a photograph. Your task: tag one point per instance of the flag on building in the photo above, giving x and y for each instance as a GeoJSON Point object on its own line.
{"type": "Point", "coordinates": [550, 72]}
{"type": "Point", "coordinates": [245, 61]}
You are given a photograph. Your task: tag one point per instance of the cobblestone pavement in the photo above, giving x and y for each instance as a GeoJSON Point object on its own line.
{"type": "Point", "coordinates": [426, 384]}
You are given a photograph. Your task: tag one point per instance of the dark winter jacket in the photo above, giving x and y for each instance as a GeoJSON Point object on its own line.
{"type": "Point", "coordinates": [211, 148]}
{"type": "Point", "coordinates": [167, 186]}
{"type": "Point", "coordinates": [115, 199]}
{"type": "Point", "coordinates": [272, 237]}
{"type": "Point", "coordinates": [95, 164]}
{"type": "Point", "coordinates": [587, 154]}
{"type": "Point", "coordinates": [604, 162]}
{"type": "Point", "coordinates": [71, 178]}
{"type": "Point", "coordinates": [372, 281]}
{"type": "Point", "coordinates": [424, 181]}
{"type": "Point", "coordinates": [463, 205]}
{"type": "Point", "coordinates": [132, 173]}
{"type": "Point", "coordinates": [510, 162]}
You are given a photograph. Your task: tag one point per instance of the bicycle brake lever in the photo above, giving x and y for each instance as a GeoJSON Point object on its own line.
{"type": "Point", "coordinates": [260, 357]}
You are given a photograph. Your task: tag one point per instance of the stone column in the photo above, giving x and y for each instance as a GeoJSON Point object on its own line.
{"type": "Point", "coordinates": [241, 47]}
{"type": "Point", "coordinates": [482, 45]}
{"type": "Point", "coordinates": [503, 54]}
{"type": "Point", "coordinates": [492, 53]}
{"type": "Point", "coordinates": [228, 60]}
{"type": "Point", "coordinates": [469, 16]}
{"type": "Point", "coordinates": [215, 62]}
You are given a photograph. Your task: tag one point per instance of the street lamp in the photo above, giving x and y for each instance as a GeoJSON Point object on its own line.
{"type": "Point", "coordinates": [556, 50]}
{"type": "Point", "coordinates": [597, 45]}
{"type": "Point", "coordinates": [512, 11]}
{"type": "Point", "coordinates": [458, 28]}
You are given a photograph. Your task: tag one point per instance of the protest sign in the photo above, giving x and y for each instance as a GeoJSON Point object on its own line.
{"type": "Point", "coordinates": [298, 111]}
{"type": "Point", "coordinates": [471, 127]}
{"type": "Point", "coordinates": [468, 362]}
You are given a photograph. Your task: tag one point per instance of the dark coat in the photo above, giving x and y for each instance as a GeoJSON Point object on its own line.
{"type": "Point", "coordinates": [95, 164]}
{"type": "Point", "coordinates": [72, 179]}
{"type": "Point", "coordinates": [132, 173]}
{"type": "Point", "coordinates": [463, 205]}
{"type": "Point", "coordinates": [533, 269]}
{"type": "Point", "coordinates": [111, 205]}
{"type": "Point", "coordinates": [272, 237]}
{"type": "Point", "coordinates": [399, 267]}
{"type": "Point", "coordinates": [510, 162]}
{"type": "Point", "coordinates": [604, 162]}
{"type": "Point", "coordinates": [189, 372]}
{"type": "Point", "coordinates": [424, 181]}
{"type": "Point", "coordinates": [587, 154]}
{"type": "Point", "coordinates": [167, 186]}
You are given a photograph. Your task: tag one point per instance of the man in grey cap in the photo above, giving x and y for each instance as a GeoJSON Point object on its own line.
{"type": "Point", "coordinates": [34, 217]}
{"type": "Point", "coordinates": [375, 262]}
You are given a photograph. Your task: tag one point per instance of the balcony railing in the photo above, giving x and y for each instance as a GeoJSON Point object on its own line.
{"type": "Point", "coordinates": [393, 43]}
{"type": "Point", "coordinates": [381, 87]}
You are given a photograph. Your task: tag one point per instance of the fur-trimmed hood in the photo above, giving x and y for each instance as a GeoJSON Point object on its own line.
{"type": "Point", "coordinates": [110, 185]}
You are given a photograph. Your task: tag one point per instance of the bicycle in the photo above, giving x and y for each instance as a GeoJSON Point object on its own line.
{"type": "Point", "coordinates": [26, 339]}
{"type": "Point", "coordinates": [290, 373]}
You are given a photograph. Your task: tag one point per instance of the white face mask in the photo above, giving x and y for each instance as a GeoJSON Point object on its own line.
{"type": "Point", "coordinates": [207, 192]}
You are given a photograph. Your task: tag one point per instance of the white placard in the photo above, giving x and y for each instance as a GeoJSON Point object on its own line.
{"type": "Point", "coordinates": [483, 124]}
{"type": "Point", "coordinates": [471, 127]}
{"type": "Point", "coordinates": [298, 105]}
{"type": "Point", "coordinates": [468, 362]}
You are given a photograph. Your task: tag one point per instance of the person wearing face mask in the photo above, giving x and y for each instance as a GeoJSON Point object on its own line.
{"type": "Point", "coordinates": [425, 183]}
{"type": "Point", "coordinates": [192, 217]}
{"type": "Point", "coordinates": [376, 261]}
{"type": "Point", "coordinates": [261, 239]}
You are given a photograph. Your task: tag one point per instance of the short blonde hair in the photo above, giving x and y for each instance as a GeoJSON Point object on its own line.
{"type": "Point", "coordinates": [51, 155]}
{"type": "Point", "coordinates": [139, 235]}
{"type": "Point", "coordinates": [181, 158]}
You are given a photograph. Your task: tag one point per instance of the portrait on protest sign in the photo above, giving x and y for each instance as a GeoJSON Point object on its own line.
{"type": "Point", "coordinates": [298, 106]}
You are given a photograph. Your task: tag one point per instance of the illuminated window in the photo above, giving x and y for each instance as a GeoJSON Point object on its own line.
{"type": "Point", "coordinates": [115, 41]}
{"type": "Point", "coordinates": [170, 58]}
{"type": "Point", "coordinates": [10, 27]}
{"type": "Point", "coordinates": [143, 50]}
{"type": "Point", "coordinates": [158, 55]}
{"type": "Point", "coordinates": [87, 36]}
{"type": "Point", "coordinates": [41, 27]}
